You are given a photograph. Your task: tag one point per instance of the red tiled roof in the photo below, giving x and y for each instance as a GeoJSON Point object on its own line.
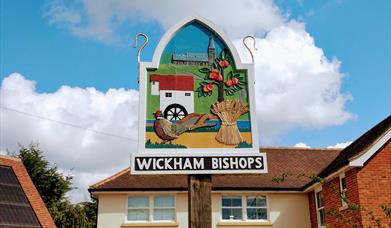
{"type": "Point", "coordinates": [29, 190]}
{"type": "Point", "coordinates": [280, 160]}
{"type": "Point", "coordinates": [174, 82]}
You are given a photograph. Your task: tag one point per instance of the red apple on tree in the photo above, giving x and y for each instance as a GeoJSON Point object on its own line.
{"type": "Point", "coordinates": [235, 81]}
{"type": "Point", "coordinates": [219, 78]}
{"type": "Point", "coordinates": [209, 87]}
{"type": "Point", "coordinates": [228, 83]}
{"type": "Point", "coordinates": [214, 73]}
{"type": "Point", "coordinates": [223, 63]}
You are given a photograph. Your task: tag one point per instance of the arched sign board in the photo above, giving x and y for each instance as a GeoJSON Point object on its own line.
{"type": "Point", "coordinates": [197, 107]}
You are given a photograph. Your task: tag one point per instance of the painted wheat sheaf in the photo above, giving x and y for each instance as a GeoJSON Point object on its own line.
{"type": "Point", "coordinates": [229, 112]}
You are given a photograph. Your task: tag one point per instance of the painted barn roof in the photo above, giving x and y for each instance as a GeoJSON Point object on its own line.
{"type": "Point", "coordinates": [174, 82]}
{"type": "Point", "coordinates": [20, 203]}
{"type": "Point", "coordinates": [190, 57]}
{"type": "Point", "coordinates": [280, 160]}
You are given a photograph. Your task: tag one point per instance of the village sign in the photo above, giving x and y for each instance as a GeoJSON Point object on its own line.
{"type": "Point", "coordinates": [197, 108]}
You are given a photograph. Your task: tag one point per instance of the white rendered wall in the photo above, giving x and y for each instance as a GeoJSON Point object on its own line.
{"type": "Point", "coordinates": [111, 210]}
{"type": "Point", "coordinates": [154, 88]}
{"type": "Point", "coordinates": [284, 210]}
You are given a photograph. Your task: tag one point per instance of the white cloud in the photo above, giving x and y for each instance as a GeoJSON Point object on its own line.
{"type": "Point", "coordinates": [103, 19]}
{"type": "Point", "coordinates": [301, 145]}
{"type": "Point", "coordinates": [88, 153]}
{"type": "Point", "coordinates": [296, 85]}
{"type": "Point", "coordinates": [340, 145]}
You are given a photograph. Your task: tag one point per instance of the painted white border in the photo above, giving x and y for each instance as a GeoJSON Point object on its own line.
{"type": "Point", "coordinates": [155, 64]}
{"type": "Point", "coordinates": [361, 159]}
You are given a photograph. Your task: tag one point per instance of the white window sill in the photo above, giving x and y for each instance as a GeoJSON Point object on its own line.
{"type": "Point", "coordinates": [244, 223]}
{"type": "Point", "coordinates": [150, 224]}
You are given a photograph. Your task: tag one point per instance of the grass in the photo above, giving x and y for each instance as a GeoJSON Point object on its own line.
{"type": "Point", "coordinates": [244, 144]}
{"type": "Point", "coordinates": [150, 144]}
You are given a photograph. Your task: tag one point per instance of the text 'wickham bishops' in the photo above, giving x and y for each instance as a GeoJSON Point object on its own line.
{"type": "Point", "coordinates": [199, 163]}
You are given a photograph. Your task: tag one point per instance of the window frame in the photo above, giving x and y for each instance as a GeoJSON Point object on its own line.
{"type": "Point", "coordinates": [244, 208]}
{"type": "Point", "coordinates": [317, 208]}
{"type": "Point", "coordinates": [163, 208]}
{"type": "Point", "coordinates": [187, 94]}
{"type": "Point", "coordinates": [343, 191]}
{"type": "Point", "coordinates": [266, 207]}
{"type": "Point", "coordinates": [138, 208]}
{"type": "Point", "coordinates": [168, 94]}
{"type": "Point", "coordinates": [151, 208]}
{"type": "Point", "coordinates": [241, 207]}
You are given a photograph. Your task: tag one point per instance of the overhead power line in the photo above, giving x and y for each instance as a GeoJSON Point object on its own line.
{"type": "Point", "coordinates": [66, 123]}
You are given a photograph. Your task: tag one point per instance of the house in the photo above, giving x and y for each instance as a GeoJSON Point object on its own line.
{"type": "Point", "coordinates": [20, 203]}
{"type": "Point", "coordinates": [176, 94]}
{"type": "Point", "coordinates": [361, 172]}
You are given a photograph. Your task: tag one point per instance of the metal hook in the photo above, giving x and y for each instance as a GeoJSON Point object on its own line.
{"type": "Point", "coordinates": [249, 50]}
{"type": "Point", "coordinates": [139, 50]}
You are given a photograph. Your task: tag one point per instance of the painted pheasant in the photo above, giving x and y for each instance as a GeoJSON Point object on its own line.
{"type": "Point", "coordinates": [168, 131]}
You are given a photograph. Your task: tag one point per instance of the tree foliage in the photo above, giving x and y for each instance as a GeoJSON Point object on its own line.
{"type": "Point", "coordinates": [50, 183]}
{"type": "Point", "coordinates": [53, 185]}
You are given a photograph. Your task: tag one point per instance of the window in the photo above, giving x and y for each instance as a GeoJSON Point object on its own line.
{"type": "Point", "coordinates": [138, 208]}
{"type": "Point", "coordinates": [168, 94]}
{"type": "Point", "coordinates": [232, 207]}
{"type": "Point", "coordinates": [320, 208]}
{"type": "Point", "coordinates": [187, 94]}
{"type": "Point", "coordinates": [163, 208]}
{"type": "Point", "coordinates": [343, 190]}
{"type": "Point", "coordinates": [255, 208]}
{"type": "Point", "coordinates": [151, 208]}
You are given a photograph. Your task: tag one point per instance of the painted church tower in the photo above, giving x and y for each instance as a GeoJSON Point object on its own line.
{"type": "Point", "coordinates": [211, 51]}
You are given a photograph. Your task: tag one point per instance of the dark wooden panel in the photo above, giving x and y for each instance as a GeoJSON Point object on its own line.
{"type": "Point", "coordinates": [200, 201]}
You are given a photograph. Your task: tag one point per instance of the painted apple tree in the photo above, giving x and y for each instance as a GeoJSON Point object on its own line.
{"type": "Point", "coordinates": [218, 77]}
{"type": "Point", "coordinates": [223, 77]}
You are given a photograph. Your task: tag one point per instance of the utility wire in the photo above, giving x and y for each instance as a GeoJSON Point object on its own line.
{"type": "Point", "coordinates": [67, 124]}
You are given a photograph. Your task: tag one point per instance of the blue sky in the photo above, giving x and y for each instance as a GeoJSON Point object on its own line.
{"type": "Point", "coordinates": [355, 32]}
{"type": "Point", "coordinates": [358, 34]}
{"type": "Point", "coordinates": [76, 45]}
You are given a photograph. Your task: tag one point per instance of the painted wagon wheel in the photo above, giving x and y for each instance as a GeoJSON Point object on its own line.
{"type": "Point", "coordinates": [175, 112]}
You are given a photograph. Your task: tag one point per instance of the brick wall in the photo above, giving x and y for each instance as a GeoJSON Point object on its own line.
{"type": "Point", "coordinates": [332, 202]}
{"type": "Point", "coordinates": [369, 187]}
{"type": "Point", "coordinates": [374, 185]}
